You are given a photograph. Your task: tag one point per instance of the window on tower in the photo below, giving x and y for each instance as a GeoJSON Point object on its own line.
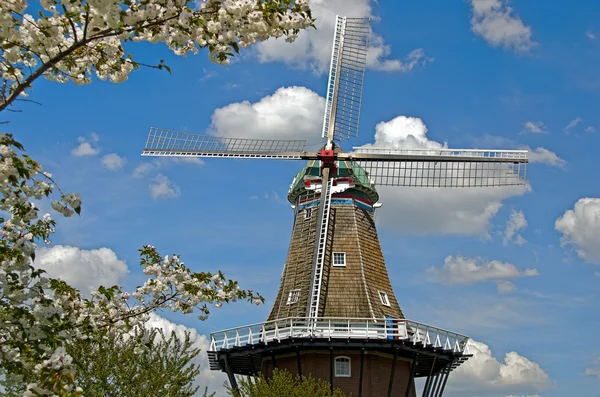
{"type": "Point", "coordinates": [339, 259]}
{"type": "Point", "coordinates": [293, 297]}
{"type": "Point", "coordinates": [384, 298]}
{"type": "Point", "coordinates": [308, 213]}
{"type": "Point", "coordinates": [342, 366]}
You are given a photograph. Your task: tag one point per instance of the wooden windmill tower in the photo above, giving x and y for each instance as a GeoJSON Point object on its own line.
{"type": "Point", "coordinates": [336, 316]}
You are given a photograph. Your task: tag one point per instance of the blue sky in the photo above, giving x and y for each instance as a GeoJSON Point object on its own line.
{"type": "Point", "coordinates": [477, 74]}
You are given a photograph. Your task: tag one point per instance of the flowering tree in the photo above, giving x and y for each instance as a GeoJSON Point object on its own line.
{"type": "Point", "coordinates": [283, 383]}
{"type": "Point", "coordinates": [70, 40]}
{"type": "Point", "coordinates": [74, 39]}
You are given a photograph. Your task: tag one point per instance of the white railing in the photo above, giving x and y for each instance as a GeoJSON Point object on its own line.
{"type": "Point", "coordinates": [339, 328]}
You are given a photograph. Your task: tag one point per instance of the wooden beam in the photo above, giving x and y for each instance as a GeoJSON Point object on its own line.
{"type": "Point", "coordinates": [230, 375]}
{"type": "Point", "coordinates": [428, 382]}
{"type": "Point", "coordinates": [360, 380]}
{"type": "Point", "coordinates": [390, 387]}
{"type": "Point", "coordinates": [331, 370]}
{"type": "Point", "coordinates": [298, 361]}
{"type": "Point", "coordinates": [446, 378]}
{"type": "Point", "coordinates": [411, 377]}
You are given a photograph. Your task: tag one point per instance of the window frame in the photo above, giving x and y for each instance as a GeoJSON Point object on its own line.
{"type": "Point", "coordinates": [383, 297]}
{"type": "Point", "coordinates": [338, 360]}
{"type": "Point", "coordinates": [308, 213]}
{"type": "Point", "coordinates": [339, 264]}
{"type": "Point", "coordinates": [295, 293]}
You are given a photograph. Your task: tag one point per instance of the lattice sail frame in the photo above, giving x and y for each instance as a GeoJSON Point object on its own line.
{"type": "Point", "coordinates": [346, 77]}
{"type": "Point", "coordinates": [162, 142]}
{"type": "Point", "coordinates": [443, 167]}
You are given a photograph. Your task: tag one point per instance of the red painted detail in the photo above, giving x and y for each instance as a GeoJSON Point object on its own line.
{"type": "Point", "coordinates": [344, 179]}
{"type": "Point", "coordinates": [307, 183]}
{"type": "Point", "coordinates": [367, 202]}
{"type": "Point", "coordinates": [327, 156]}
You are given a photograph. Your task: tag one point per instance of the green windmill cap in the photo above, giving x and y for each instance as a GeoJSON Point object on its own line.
{"type": "Point", "coordinates": [351, 169]}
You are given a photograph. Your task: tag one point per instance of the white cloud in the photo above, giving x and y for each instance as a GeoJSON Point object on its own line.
{"type": "Point", "coordinates": [414, 58]}
{"type": "Point", "coordinates": [573, 123]}
{"type": "Point", "coordinates": [207, 74]}
{"type": "Point", "coordinates": [163, 187]}
{"type": "Point", "coordinates": [592, 372]}
{"type": "Point", "coordinates": [536, 127]}
{"type": "Point", "coordinates": [591, 128]}
{"type": "Point", "coordinates": [87, 147]}
{"type": "Point", "coordinates": [275, 197]}
{"type": "Point", "coordinates": [113, 161]}
{"type": "Point", "coordinates": [545, 156]}
{"type": "Point", "coordinates": [413, 210]}
{"type": "Point", "coordinates": [590, 35]}
{"type": "Point", "coordinates": [144, 169]}
{"type": "Point", "coordinates": [290, 113]}
{"type": "Point", "coordinates": [207, 378]}
{"type": "Point", "coordinates": [516, 222]}
{"type": "Point", "coordinates": [580, 227]}
{"type": "Point", "coordinates": [461, 270]}
{"type": "Point", "coordinates": [500, 26]}
{"type": "Point", "coordinates": [484, 375]}
{"type": "Point", "coordinates": [506, 287]}
{"type": "Point", "coordinates": [85, 270]}
{"type": "Point", "coordinates": [513, 395]}
{"type": "Point", "coordinates": [312, 48]}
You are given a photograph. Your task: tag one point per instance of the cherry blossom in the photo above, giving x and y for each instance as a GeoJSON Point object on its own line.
{"type": "Point", "coordinates": [76, 39]}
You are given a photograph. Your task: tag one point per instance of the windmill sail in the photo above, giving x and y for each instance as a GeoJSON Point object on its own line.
{"type": "Point", "coordinates": [442, 167]}
{"type": "Point", "coordinates": [181, 144]}
{"type": "Point", "coordinates": [346, 74]}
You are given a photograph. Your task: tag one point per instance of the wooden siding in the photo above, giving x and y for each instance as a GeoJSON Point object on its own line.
{"type": "Point", "coordinates": [350, 291]}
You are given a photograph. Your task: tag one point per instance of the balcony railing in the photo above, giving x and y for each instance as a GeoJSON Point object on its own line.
{"type": "Point", "coordinates": [339, 328]}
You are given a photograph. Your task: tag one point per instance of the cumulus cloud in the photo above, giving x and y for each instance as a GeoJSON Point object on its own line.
{"type": "Point", "coordinates": [573, 123]}
{"type": "Point", "coordinates": [414, 58]}
{"type": "Point", "coordinates": [536, 127]}
{"type": "Point", "coordinates": [461, 270]}
{"type": "Point", "coordinates": [207, 378]}
{"type": "Point", "coordinates": [420, 211]}
{"type": "Point", "coordinates": [87, 146]}
{"type": "Point", "coordinates": [85, 270]}
{"type": "Point", "coordinates": [500, 26]}
{"type": "Point", "coordinates": [113, 161]}
{"type": "Point", "coordinates": [591, 35]}
{"type": "Point", "coordinates": [590, 129]}
{"type": "Point", "coordinates": [580, 228]}
{"type": "Point", "coordinates": [545, 156]}
{"type": "Point", "coordinates": [485, 375]}
{"type": "Point", "coordinates": [516, 222]}
{"type": "Point", "coordinates": [163, 188]}
{"type": "Point", "coordinates": [290, 113]}
{"type": "Point", "coordinates": [312, 48]}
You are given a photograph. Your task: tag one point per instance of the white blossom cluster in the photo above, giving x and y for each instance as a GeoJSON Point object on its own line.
{"type": "Point", "coordinates": [40, 315]}
{"type": "Point", "coordinates": [74, 39]}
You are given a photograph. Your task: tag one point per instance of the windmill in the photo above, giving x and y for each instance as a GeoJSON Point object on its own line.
{"type": "Point", "coordinates": [336, 316]}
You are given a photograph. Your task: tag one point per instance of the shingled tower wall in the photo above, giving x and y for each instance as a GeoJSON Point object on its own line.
{"type": "Point", "coordinates": [348, 291]}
